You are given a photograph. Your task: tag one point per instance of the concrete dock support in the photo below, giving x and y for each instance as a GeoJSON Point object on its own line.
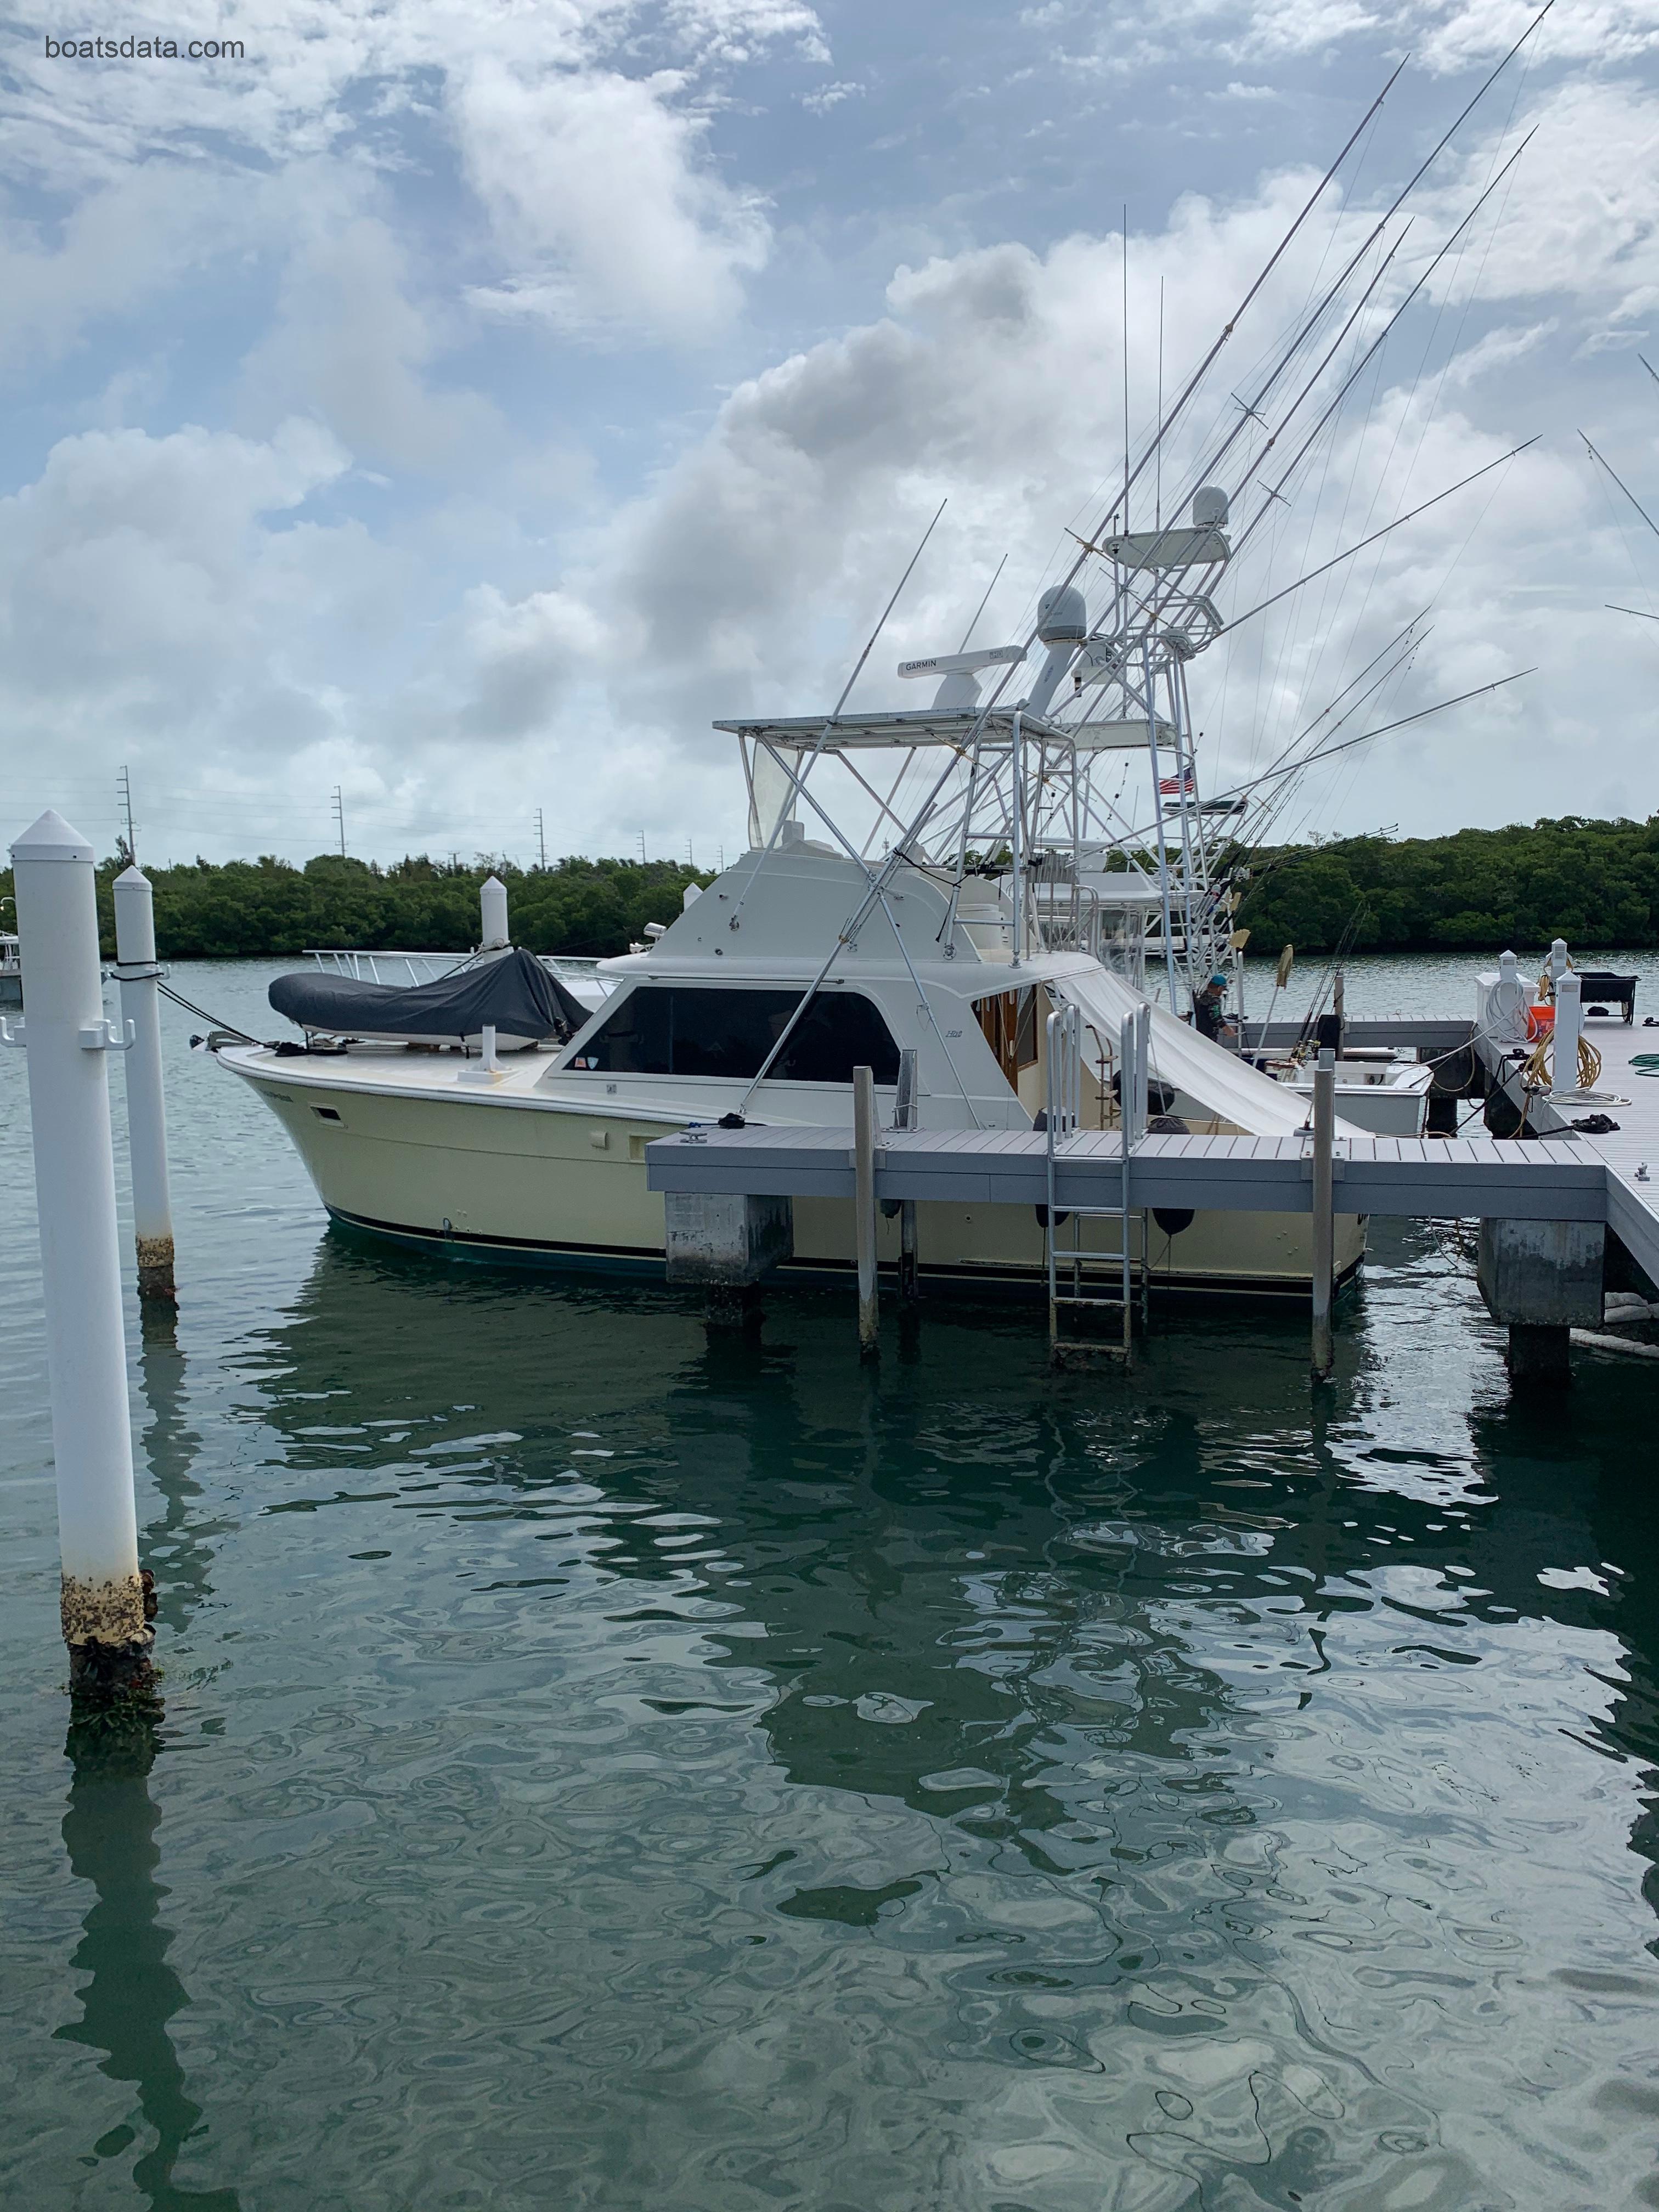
{"type": "Point", "coordinates": [147, 1129]}
{"type": "Point", "coordinates": [492, 915]}
{"type": "Point", "coordinates": [864, 1208]}
{"type": "Point", "coordinates": [1541, 1279]}
{"type": "Point", "coordinates": [1324, 1212]}
{"type": "Point", "coordinates": [106, 1607]}
{"type": "Point", "coordinates": [726, 1242]}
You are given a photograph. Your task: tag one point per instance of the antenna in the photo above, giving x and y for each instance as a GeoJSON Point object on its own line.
{"type": "Point", "coordinates": [983, 603]}
{"type": "Point", "coordinates": [123, 800]}
{"type": "Point", "coordinates": [541, 839]}
{"type": "Point", "coordinates": [339, 819]}
{"type": "Point", "coordinates": [642, 848]}
{"type": "Point", "coordinates": [1125, 365]}
{"type": "Point", "coordinates": [1157, 507]}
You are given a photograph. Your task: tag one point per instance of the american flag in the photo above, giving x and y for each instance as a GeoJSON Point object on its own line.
{"type": "Point", "coordinates": [1177, 787]}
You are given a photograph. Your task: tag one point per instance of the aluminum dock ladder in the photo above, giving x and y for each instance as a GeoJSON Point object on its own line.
{"type": "Point", "coordinates": [1083, 1281]}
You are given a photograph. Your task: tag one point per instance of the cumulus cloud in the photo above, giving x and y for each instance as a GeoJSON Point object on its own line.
{"type": "Point", "coordinates": [593, 186]}
{"type": "Point", "coordinates": [579, 124]}
{"type": "Point", "coordinates": [193, 595]}
{"type": "Point", "coordinates": [167, 599]}
{"type": "Point", "coordinates": [744, 580]}
{"type": "Point", "coordinates": [1442, 35]}
{"type": "Point", "coordinates": [351, 345]}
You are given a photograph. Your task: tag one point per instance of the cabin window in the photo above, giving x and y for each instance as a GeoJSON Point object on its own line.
{"type": "Point", "coordinates": [665, 1029]}
{"type": "Point", "coordinates": [1010, 1025]}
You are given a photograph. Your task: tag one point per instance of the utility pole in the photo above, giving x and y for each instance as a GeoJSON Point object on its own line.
{"type": "Point", "coordinates": [541, 839]}
{"type": "Point", "coordinates": [642, 848]}
{"type": "Point", "coordinates": [339, 819]}
{"type": "Point", "coordinates": [689, 861]}
{"type": "Point", "coordinates": [123, 800]}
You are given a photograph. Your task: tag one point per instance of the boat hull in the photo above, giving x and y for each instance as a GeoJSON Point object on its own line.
{"type": "Point", "coordinates": [486, 1180]}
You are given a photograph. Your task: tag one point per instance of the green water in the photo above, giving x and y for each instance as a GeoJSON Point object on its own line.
{"type": "Point", "coordinates": [609, 1764]}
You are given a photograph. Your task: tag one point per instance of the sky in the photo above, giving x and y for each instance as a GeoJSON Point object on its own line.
{"type": "Point", "coordinates": [456, 405]}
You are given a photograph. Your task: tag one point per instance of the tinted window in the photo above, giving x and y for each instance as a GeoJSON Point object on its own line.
{"type": "Point", "coordinates": [661, 1030]}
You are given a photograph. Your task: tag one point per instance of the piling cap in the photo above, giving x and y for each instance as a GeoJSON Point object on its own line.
{"type": "Point", "coordinates": [52, 838]}
{"type": "Point", "coordinates": [134, 877]}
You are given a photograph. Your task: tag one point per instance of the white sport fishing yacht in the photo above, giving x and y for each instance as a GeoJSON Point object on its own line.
{"type": "Point", "coordinates": [517, 1125]}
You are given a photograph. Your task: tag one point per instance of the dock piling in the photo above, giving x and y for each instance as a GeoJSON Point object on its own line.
{"type": "Point", "coordinates": [106, 1609]}
{"type": "Point", "coordinates": [492, 915]}
{"type": "Point", "coordinates": [864, 1206]}
{"type": "Point", "coordinates": [1568, 1028]}
{"type": "Point", "coordinates": [906, 1116]}
{"type": "Point", "coordinates": [138, 976]}
{"type": "Point", "coordinates": [1324, 1221]}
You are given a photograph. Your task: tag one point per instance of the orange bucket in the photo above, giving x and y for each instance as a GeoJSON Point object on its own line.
{"type": "Point", "coordinates": [1540, 1023]}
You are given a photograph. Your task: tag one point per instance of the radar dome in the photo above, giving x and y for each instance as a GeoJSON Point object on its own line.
{"type": "Point", "coordinates": [1062, 616]}
{"type": "Point", "coordinates": [1210, 507]}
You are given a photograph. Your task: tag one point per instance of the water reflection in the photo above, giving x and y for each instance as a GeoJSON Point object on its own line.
{"type": "Point", "coordinates": [110, 1827]}
{"type": "Point", "coordinates": [110, 1836]}
{"type": "Point", "coordinates": [1109, 1789]}
{"type": "Point", "coordinates": [965, 1578]}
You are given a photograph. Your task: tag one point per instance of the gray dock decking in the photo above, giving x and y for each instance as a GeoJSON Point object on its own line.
{"type": "Point", "coordinates": [1576, 1178]}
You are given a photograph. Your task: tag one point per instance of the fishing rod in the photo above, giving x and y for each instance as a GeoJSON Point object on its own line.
{"type": "Point", "coordinates": [1277, 492]}
{"type": "Point", "coordinates": [1329, 752]}
{"type": "Point", "coordinates": [1404, 644]}
{"type": "Point", "coordinates": [1628, 493]}
{"type": "Point", "coordinates": [803, 768]}
{"type": "Point", "coordinates": [1227, 329]}
{"type": "Point", "coordinates": [1399, 201]}
{"type": "Point", "coordinates": [1398, 523]}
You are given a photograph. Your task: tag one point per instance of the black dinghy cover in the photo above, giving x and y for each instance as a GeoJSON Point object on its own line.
{"type": "Point", "coordinates": [515, 995]}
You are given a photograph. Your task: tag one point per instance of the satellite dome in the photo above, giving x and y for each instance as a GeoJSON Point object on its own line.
{"type": "Point", "coordinates": [1210, 507]}
{"type": "Point", "coordinates": [1062, 616]}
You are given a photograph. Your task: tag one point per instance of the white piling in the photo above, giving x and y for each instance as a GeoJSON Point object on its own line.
{"type": "Point", "coordinates": [147, 1127]}
{"type": "Point", "coordinates": [1569, 1027]}
{"type": "Point", "coordinates": [492, 915]}
{"type": "Point", "coordinates": [1557, 959]}
{"type": "Point", "coordinates": [864, 1206]}
{"type": "Point", "coordinates": [104, 1606]}
{"type": "Point", "coordinates": [906, 1115]}
{"type": "Point", "coordinates": [1324, 1225]}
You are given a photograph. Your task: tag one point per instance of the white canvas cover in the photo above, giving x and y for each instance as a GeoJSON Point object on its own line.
{"type": "Point", "coordinates": [1226, 1088]}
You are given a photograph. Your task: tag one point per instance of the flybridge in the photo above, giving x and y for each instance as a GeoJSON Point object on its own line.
{"type": "Point", "coordinates": [959, 727]}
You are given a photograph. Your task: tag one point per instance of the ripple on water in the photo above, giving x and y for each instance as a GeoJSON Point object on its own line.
{"type": "Point", "coordinates": [608, 1765]}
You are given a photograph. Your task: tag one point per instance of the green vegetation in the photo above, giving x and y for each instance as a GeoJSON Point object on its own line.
{"type": "Point", "coordinates": [1592, 883]}
{"type": "Point", "coordinates": [269, 908]}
